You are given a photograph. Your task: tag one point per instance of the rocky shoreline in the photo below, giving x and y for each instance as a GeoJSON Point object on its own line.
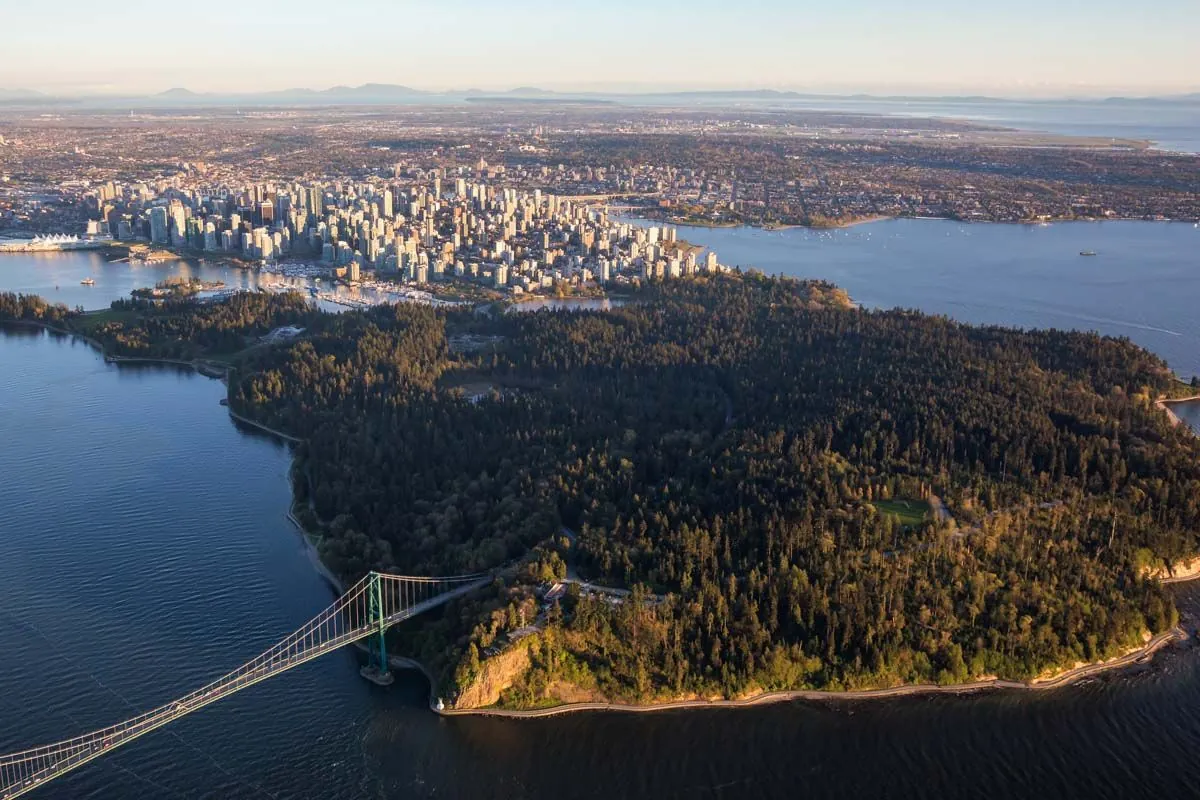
{"type": "Point", "coordinates": [1065, 678]}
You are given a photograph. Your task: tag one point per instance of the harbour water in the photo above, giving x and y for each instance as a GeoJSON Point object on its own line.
{"type": "Point", "coordinates": [57, 277]}
{"type": "Point", "coordinates": [144, 550]}
{"type": "Point", "coordinates": [1143, 282]}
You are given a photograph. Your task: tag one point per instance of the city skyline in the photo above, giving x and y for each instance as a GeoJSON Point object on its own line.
{"type": "Point", "coordinates": [930, 47]}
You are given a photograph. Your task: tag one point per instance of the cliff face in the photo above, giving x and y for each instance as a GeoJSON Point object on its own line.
{"type": "Point", "coordinates": [495, 675]}
{"type": "Point", "coordinates": [1179, 572]}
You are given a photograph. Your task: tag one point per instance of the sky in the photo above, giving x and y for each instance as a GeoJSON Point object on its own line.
{"type": "Point", "coordinates": [1014, 48]}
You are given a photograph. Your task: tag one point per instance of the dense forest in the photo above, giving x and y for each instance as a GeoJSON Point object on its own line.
{"type": "Point", "coordinates": [182, 328]}
{"type": "Point", "coordinates": [31, 308]}
{"type": "Point", "coordinates": [799, 494]}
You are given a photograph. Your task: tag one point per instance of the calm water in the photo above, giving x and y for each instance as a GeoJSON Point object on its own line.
{"type": "Point", "coordinates": [1170, 126]}
{"type": "Point", "coordinates": [144, 551]}
{"type": "Point", "coordinates": [1144, 283]}
{"type": "Point", "coordinates": [57, 276]}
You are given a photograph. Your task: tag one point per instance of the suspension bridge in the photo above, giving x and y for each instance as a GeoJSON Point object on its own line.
{"type": "Point", "coordinates": [365, 611]}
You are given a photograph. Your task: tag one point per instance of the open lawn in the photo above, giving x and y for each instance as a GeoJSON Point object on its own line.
{"type": "Point", "coordinates": [86, 323]}
{"type": "Point", "coordinates": [910, 512]}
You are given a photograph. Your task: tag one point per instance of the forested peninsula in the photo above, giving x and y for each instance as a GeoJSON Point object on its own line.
{"type": "Point", "coordinates": [732, 485]}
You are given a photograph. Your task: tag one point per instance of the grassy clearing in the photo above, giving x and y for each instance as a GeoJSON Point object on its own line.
{"type": "Point", "coordinates": [910, 512]}
{"type": "Point", "coordinates": [85, 323]}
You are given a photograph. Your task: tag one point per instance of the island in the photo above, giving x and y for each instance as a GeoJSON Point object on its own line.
{"type": "Point", "coordinates": [730, 486]}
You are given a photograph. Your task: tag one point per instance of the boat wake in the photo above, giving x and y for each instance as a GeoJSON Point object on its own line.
{"type": "Point", "coordinates": [1059, 312]}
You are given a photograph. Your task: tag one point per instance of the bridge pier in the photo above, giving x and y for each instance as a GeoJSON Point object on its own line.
{"type": "Point", "coordinates": [376, 677]}
{"type": "Point", "coordinates": [377, 670]}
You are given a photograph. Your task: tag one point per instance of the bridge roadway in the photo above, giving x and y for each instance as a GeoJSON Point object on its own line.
{"type": "Point", "coordinates": [350, 619]}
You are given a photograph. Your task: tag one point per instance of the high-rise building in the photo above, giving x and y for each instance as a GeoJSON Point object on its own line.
{"type": "Point", "coordinates": [158, 225]}
{"type": "Point", "coordinates": [178, 224]}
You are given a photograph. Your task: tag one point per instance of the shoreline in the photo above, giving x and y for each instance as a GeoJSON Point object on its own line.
{"type": "Point", "coordinates": [262, 428]}
{"type": "Point", "coordinates": [642, 219]}
{"type": "Point", "coordinates": [1165, 403]}
{"type": "Point", "coordinates": [1062, 679]}
{"type": "Point", "coordinates": [1069, 677]}
{"type": "Point", "coordinates": [206, 367]}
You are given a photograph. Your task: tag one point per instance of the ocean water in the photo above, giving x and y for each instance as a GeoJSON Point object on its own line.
{"type": "Point", "coordinates": [1171, 126]}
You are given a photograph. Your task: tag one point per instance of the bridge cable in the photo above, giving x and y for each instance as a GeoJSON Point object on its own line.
{"type": "Point", "coordinates": [108, 762]}
{"type": "Point", "coordinates": [56, 646]}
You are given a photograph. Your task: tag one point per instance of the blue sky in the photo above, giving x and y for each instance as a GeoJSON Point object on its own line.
{"type": "Point", "coordinates": [1019, 47]}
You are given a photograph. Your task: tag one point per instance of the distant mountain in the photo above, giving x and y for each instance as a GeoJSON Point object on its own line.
{"type": "Point", "coordinates": [1175, 98]}
{"type": "Point", "coordinates": [178, 92]}
{"type": "Point", "coordinates": [531, 91]}
{"type": "Point", "coordinates": [371, 90]}
{"type": "Point", "coordinates": [367, 93]}
{"type": "Point", "coordinates": [394, 94]}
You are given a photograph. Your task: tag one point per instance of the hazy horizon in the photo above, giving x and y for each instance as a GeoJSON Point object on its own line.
{"type": "Point", "coordinates": [928, 47]}
{"type": "Point", "coordinates": [880, 92]}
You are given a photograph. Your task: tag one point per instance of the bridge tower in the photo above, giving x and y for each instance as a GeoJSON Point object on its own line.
{"type": "Point", "coordinates": [377, 670]}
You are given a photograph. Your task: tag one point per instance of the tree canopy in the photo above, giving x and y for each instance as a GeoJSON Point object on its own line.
{"type": "Point", "coordinates": [729, 448]}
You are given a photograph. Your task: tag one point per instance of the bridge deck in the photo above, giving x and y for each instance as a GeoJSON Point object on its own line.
{"type": "Point", "coordinates": [348, 620]}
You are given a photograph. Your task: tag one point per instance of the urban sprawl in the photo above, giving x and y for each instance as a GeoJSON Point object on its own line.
{"type": "Point", "coordinates": [527, 197]}
{"type": "Point", "coordinates": [420, 228]}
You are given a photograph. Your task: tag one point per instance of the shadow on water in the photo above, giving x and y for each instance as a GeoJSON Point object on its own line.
{"type": "Point", "coordinates": [12, 330]}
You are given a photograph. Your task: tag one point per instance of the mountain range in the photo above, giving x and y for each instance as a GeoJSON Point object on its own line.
{"type": "Point", "coordinates": [388, 94]}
